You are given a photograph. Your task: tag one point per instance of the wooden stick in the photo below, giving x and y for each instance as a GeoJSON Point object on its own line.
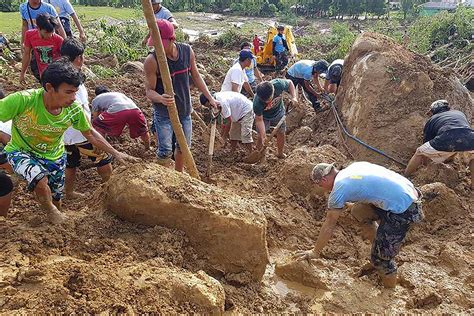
{"type": "Point", "coordinates": [168, 87]}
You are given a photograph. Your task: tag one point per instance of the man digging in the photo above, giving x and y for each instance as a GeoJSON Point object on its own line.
{"type": "Point", "coordinates": [380, 195]}
{"type": "Point", "coordinates": [40, 118]}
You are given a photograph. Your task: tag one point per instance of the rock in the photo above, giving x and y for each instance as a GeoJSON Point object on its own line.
{"type": "Point", "coordinates": [134, 67]}
{"type": "Point", "coordinates": [225, 229]}
{"type": "Point", "coordinates": [438, 172]}
{"type": "Point", "coordinates": [107, 62]}
{"type": "Point", "coordinates": [440, 204]}
{"type": "Point", "coordinates": [300, 136]}
{"type": "Point", "coordinates": [297, 167]}
{"type": "Point", "coordinates": [385, 93]}
{"type": "Point", "coordinates": [313, 275]}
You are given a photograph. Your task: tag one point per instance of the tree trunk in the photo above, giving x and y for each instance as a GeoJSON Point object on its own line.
{"type": "Point", "coordinates": [168, 87]}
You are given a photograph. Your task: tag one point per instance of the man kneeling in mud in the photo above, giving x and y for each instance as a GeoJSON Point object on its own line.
{"type": "Point", "coordinates": [379, 195]}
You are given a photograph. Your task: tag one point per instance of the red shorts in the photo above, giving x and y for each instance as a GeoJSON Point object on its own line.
{"type": "Point", "coordinates": [112, 124]}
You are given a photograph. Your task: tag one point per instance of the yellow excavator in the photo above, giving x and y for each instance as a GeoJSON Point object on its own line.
{"type": "Point", "coordinates": [265, 58]}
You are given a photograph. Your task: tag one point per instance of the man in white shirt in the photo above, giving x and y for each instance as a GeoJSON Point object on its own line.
{"type": "Point", "coordinates": [238, 110]}
{"type": "Point", "coordinates": [236, 78]}
{"type": "Point", "coordinates": [75, 143]}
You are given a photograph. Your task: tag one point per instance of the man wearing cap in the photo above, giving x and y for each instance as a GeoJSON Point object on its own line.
{"type": "Point", "coordinates": [161, 13]}
{"type": "Point", "coordinates": [182, 65]}
{"type": "Point", "coordinates": [380, 195]}
{"type": "Point", "coordinates": [333, 76]}
{"type": "Point", "coordinates": [302, 72]}
{"type": "Point", "coordinates": [237, 109]}
{"type": "Point", "coordinates": [252, 71]}
{"type": "Point", "coordinates": [269, 109]}
{"type": "Point", "coordinates": [280, 49]}
{"type": "Point", "coordinates": [236, 78]}
{"type": "Point", "coordinates": [446, 133]}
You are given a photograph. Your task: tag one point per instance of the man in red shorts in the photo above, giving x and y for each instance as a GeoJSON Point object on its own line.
{"type": "Point", "coordinates": [113, 110]}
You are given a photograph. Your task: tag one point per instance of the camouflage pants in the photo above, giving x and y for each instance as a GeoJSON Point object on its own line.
{"type": "Point", "coordinates": [390, 234]}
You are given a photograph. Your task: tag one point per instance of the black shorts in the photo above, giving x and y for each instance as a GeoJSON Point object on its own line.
{"type": "Point", "coordinates": [74, 153]}
{"type": "Point", "coordinates": [6, 184]}
{"type": "Point", "coordinates": [455, 140]}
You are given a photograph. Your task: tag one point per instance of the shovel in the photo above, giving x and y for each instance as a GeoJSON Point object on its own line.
{"type": "Point", "coordinates": [258, 155]}
{"type": "Point", "coordinates": [212, 139]}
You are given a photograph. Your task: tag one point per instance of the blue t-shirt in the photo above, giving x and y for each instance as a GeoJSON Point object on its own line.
{"type": "Point", "coordinates": [373, 184]}
{"type": "Point", "coordinates": [62, 7]}
{"type": "Point", "coordinates": [29, 14]}
{"type": "Point", "coordinates": [302, 70]}
{"type": "Point", "coordinates": [278, 40]}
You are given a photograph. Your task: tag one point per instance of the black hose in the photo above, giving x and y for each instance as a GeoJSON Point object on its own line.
{"type": "Point", "coordinates": [341, 125]}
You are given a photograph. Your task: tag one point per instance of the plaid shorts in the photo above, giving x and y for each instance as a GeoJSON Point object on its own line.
{"type": "Point", "coordinates": [33, 169]}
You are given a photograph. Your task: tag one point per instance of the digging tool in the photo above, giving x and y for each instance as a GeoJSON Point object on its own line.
{"type": "Point", "coordinates": [168, 87]}
{"type": "Point", "coordinates": [212, 139]}
{"type": "Point", "coordinates": [258, 155]}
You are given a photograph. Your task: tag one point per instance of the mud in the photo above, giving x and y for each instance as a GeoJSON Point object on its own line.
{"type": "Point", "coordinates": [98, 263]}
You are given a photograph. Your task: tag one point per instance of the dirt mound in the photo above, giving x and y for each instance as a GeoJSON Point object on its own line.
{"type": "Point", "coordinates": [385, 93]}
{"type": "Point", "coordinates": [314, 274]}
{"type": "Point", "coordinates": [441, 203]}
{"type": "Point", "coordinates": [229, 231]}
{"type": "Point", "coordinates": [135, 67]}
{"type": "Point", "coordinates": [296, 169]}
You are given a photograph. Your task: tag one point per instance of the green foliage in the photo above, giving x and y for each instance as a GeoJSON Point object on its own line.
{"type": "Point", "coordinates": [232, 38]}
{"type": "Point", "coordinates": [9, 5]}
{"type": "Point", "coordinates": [121, 39]}
{"type": "Point", "coordinates": [429, 32]}
{"type": "Point", "coordinates": [103, 72]}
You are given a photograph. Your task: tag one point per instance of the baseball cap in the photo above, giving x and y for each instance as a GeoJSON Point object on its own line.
{"type": "Point", "coordinates": [166, 31]}
{"type": "Point", "coordinates": [321, 170]}
{"type": "Point", "coordinates": [246, 54]}
{"type": "Point", "coordinates": [156, 1]}
{"type": "Point", "coordinates": [438, 105]}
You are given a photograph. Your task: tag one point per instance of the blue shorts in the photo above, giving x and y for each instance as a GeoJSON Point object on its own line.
{"type": "Point", "coordinates": [33, 169]}
{"type": "Point", "coordinates": [164, 132]}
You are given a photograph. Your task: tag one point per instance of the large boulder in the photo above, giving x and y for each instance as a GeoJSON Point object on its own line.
{"type": "Point", "coordinates": [385, 93]}
{"type": "Point", "coordinates": [225, 229]}
{"type": "Point", "coordinates": [297, 167]}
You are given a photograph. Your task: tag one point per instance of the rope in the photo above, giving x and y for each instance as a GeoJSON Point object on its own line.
{"type": "Point", "coordinates": [343, 128]}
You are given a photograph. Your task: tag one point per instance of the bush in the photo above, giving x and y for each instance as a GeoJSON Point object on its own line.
{"type": "Point", "coordinates": [428, 32]}
{"type": "Point", "coordinates": [232, 38]}
{"type": "Point", "coordinates": [103, 72]}
{"type": "Point", "coordinates": [9, 5]}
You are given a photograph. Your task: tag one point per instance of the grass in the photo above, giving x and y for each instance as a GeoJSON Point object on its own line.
{"type": "Point", "coordinates": [10, 22]}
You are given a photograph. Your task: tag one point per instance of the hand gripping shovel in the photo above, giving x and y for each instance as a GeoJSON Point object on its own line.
{"type": "Point", "coordinates": [258, 155]}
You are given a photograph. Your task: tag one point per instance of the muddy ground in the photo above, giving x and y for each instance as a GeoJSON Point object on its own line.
{"type": "Point", "coordinates": [94, 262]}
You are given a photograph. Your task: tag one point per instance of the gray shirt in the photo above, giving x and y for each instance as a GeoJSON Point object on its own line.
{"type": "Point", "coordinates": [163, 13]}
{"type": "Point", "coordinates": [112, 102]}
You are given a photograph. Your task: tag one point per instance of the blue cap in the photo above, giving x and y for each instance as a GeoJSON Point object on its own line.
{"type": "Point", "coordinates": [246, 54]}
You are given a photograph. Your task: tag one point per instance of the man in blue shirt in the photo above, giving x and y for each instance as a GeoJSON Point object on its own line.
{"type": "Point", "coordinates": [30, 9]}
{"type": "Point", "coordinates": [66, 12]}
{"type": "Point", "coordinates": [301, 74]}
{"type": "Point", "coordinates": [280, 49]}
{"type": "Point", "coordinates": [380, 195]}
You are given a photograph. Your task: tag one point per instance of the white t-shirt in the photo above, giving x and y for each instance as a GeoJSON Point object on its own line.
{"type": "Point", "coordinates": [234, 75]}
{"type": "Point", "coordinates": [234, 104]}
{"type": "Point", "coordinates": [71, 135]}
{"type": "Point", "coordinates": [6, 127]}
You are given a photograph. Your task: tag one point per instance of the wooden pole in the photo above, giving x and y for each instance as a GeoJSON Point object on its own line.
{"type": "Point", "coordinates": [168, 87]}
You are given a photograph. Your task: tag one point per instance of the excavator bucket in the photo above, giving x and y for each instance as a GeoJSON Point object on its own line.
{"type": "Point", "coordinates": [265, 59]}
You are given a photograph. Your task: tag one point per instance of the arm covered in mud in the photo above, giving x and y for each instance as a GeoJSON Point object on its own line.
{"type": "Point", "coordinates": [260, 125]}
{"type": "Point", "coordinates": [325, 235]}
{"type": "Point", "coordinates": [99, 142]}
{"type": "Point", "coordinates": [199, 82]}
